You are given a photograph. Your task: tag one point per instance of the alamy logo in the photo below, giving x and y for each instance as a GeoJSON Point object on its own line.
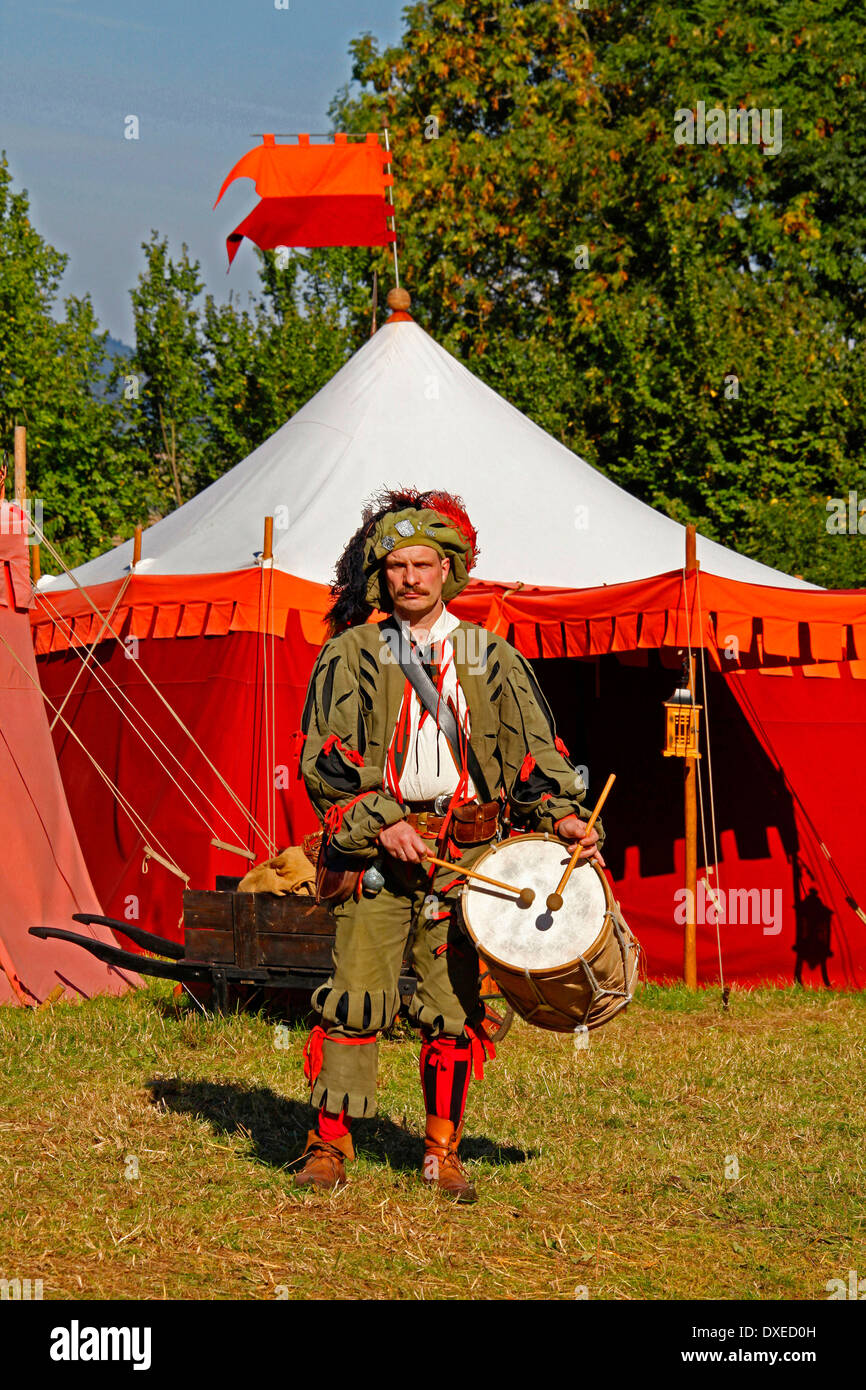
{"type": "Point", "coordinates": [16, 1289]}
{"type": "Point", "coordinates": [855, 1288]}
{"type": "Point", "coordinates": [23, 517]}
{"type": "Point", "coordinates": [850, 517]}
{"type": "Point", "coordinates": [739, 125]}
{"type": "Point", "coordinates": [468, 644]}
{"type": "Point", "coordinates": [731, 907]}
{"type": "Point", "coordinates": [77, 1343]}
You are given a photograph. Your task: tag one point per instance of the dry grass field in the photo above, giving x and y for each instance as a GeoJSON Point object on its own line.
{"type": "Point", "coordinates": [689, 1153]}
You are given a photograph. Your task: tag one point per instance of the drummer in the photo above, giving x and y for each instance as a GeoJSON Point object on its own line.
{"type": "Point", "coordinates": [387, 784]}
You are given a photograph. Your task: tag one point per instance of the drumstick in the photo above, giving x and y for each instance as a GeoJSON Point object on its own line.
{"type": "Point", "coordinates": [526, 896]}
{"type": "Point", "coordinates": [554, 901]}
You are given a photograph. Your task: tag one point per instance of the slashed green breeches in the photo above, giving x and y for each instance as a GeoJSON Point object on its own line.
{"type": "Point", "coordinates": [362, 995]}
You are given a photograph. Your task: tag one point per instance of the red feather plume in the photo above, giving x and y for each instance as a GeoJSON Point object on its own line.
{"type": "Point", "coordinates": [447, 504]}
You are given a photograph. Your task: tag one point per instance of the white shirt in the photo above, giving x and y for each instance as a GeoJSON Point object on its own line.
{"type": "Point", "coordinates": [429, 766]}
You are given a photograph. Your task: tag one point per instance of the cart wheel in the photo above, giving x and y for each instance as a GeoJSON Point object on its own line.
{"type": "Point", "coordinates": [498, 1016]}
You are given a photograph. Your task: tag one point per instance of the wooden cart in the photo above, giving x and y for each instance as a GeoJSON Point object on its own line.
{"type": "Point", "coordinates": [240, 948]}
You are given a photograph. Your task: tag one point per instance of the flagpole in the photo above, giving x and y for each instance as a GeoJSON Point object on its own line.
{"type": "Point", "coordinates": [393, 217]}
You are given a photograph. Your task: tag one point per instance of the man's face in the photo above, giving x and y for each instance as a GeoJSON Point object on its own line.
{"type": "Point", "coordinates": [414, 576]}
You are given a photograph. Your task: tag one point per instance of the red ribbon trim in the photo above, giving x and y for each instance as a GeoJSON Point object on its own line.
{"type": "Point", "coordinates": [350, 754]}
{"type": "Point", "coordinates": [314, 1050]}
{"type": "Point", "coordinates": [482, 1049]}
{"type": "Point", "coordinates": [334, 815]}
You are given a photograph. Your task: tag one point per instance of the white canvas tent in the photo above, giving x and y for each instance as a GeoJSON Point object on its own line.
{"type": "Point", "coordinates": [403, 410]}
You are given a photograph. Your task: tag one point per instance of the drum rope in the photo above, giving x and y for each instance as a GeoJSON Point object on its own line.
{"type": "Point", "coordinates": [624, 953]}
{"type": "Point", "coordinates": [593, 984]}
{"type": "Point", "coordinates": [542, 1004]}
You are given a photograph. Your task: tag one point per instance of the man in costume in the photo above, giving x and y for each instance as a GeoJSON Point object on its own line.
{"type": "Point", "coordinates": [390, 786]}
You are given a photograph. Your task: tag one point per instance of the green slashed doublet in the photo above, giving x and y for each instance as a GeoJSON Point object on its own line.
{"type": "Point", "coordinates": [355, 692]}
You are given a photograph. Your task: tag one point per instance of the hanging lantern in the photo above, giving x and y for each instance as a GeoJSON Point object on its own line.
{"type": "Point", "coordinates": [682, 725]}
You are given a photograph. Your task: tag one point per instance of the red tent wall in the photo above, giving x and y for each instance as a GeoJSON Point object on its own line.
{"type": "Point", "coordinates": [813, 728]}
{"type": "Point", "coordinates": [215, 685]}
{"type": "Point", "coordinates": [609, 713]}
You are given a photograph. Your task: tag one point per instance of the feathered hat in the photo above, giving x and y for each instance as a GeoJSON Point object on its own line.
{"type": "Point", "coordinates": [394, 518]}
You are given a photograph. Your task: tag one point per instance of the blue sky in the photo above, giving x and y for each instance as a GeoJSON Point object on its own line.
{"type": "Point", "coordinates": [201, 76]}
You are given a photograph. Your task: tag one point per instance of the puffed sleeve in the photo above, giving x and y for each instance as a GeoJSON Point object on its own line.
{"type": "Point", "coordinates": [346, 791]}
{"type": "Point", "coordinates": [542, 784]}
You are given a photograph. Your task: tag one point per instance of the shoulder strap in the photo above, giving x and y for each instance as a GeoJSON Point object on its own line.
{"type": "Point", "coordinates": [409, 662]}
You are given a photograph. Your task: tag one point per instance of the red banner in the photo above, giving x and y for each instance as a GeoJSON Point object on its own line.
{"type": "Point", "coordinates": [315, 195]}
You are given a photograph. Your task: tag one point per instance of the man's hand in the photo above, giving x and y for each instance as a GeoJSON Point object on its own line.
{"type": "Point", "coordinates": [403, 842]}
{"type": "Point", "coordinates": [572, 829]}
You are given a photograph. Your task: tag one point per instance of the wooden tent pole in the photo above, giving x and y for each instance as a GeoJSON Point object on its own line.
{"type": "Point", "coordinates": [690, 963]}
{"type": "Point", "coordinates": [268, 551]}
{"type": "Point", "coordinates": [21, 493]}
{"type": "Point", "coordinates": [20, 463]}
{"type": "Point", "coordinates": [136, 546]}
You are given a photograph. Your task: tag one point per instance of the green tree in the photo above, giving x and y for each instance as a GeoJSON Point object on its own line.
{"type": "Point", "coordinates": [50, 382]}
{"type": "Point", "coordinates": [166, 421]}
{"type": "Point", "coordinates": [610, 281]}
{"type": "Point", "coordinates": [263, 363]}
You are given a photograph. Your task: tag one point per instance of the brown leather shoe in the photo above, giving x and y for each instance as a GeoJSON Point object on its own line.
{"type": "Point", "coordinates": [442, 1167]}
{"type": "Point", "coordinates": [325, 1165]}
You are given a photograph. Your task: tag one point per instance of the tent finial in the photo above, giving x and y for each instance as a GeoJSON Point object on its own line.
{"type": "Point", "coordinates": [399, 301]}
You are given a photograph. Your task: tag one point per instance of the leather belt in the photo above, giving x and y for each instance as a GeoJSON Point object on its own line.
{"type": "Point", "coordinates": [471, 823]}
{"type": "Point", "coordinates": [425, 822]}
{"type": "Point", "coordinates": [422, 817]}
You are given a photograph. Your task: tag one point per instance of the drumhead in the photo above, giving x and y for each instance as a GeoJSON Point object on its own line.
{"type": "Point", "coordinates": [534, 938]}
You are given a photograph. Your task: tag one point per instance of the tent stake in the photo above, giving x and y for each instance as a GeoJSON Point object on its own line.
{"type": "Point", "coordinates": [690, 964]}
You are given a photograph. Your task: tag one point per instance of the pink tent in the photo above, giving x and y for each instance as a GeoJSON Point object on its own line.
{"type": "Point", "coordinates": [43, 877]}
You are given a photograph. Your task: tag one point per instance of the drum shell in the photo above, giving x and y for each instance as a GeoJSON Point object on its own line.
{"type": "Point", "coordinates": [559, 998]}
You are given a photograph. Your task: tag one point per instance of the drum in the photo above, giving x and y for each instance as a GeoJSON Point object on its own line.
{"type": "Point", "coordinates": [560, 969]}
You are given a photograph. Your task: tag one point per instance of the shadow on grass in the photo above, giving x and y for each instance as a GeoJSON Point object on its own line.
{"type": "Point", "coordinates": [277, 1127]}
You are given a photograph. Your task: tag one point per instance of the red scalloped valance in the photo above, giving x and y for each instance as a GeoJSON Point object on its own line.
{"type": "Point", "coordinates": [741, 625]}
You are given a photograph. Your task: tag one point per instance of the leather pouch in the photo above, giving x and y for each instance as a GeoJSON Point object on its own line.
{"type": "Point", "coordinates": [472, 824]}
{"type": "Point", "coordinates": [337, 880]}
